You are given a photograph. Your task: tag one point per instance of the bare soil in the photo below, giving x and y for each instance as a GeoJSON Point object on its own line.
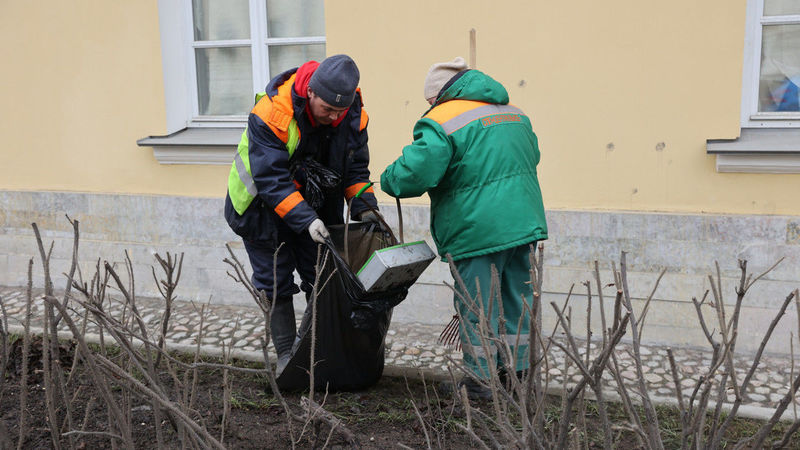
{"type": "Point", "coordinates": [382, 416]}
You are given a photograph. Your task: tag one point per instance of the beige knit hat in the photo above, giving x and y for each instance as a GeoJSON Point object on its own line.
{"type": "Point", "coordinates": [440, 73]}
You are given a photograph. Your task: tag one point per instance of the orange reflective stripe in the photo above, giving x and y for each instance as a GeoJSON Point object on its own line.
{"type": "Point", "coordinates": [277, 112]}
{"type": "Point", "coordinates": [453, 108]}
{"type": "Point", "coordinates": [284, 99]}
{"type": "Point", "coordinates": [364, 115]}
{"type": "Point", "coordinates": [270, 115]}
{"type": "Point", "coordinates": [353, 190]}
{"type": "Point", "coordinates": [288, 203]}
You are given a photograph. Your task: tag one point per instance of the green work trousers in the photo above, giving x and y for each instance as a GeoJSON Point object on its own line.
{"type": "Point", "coordinates": [513, 270]}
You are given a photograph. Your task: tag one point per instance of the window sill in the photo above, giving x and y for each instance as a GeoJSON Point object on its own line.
{"type": "Point", "coordinates": [204, 145]}
{"type": "Point", "coordinates": [758, 150]}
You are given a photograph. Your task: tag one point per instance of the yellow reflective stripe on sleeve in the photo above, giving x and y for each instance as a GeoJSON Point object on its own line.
{"type": "Point", "coordinates": [241, 187]}
{"type": "Point", "coordinates": [294, 137]}
{"type": "Point", "coordinates": [244, 175]}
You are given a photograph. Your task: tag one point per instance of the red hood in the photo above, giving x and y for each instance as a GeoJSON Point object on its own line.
{"type": "Point", "coordinates": [301, 78]}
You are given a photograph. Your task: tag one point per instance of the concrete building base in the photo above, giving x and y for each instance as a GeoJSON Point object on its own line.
{"type": "Point", "coordinates": [686, 245]}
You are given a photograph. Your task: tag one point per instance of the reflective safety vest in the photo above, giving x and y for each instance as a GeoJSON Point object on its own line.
{"type": "Point", "coordinates": [241, 186]}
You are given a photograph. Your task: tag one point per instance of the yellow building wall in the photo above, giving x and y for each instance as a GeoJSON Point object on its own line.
{"type": "Point", "coordinates": [623, 95]}
{"type": "Point", "coordinates": [81, 82]}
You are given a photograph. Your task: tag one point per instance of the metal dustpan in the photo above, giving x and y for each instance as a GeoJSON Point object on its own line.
{"type": "Point", "coordinates": [396, 266]}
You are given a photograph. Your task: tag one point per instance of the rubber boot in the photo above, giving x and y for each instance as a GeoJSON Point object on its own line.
{"type": "Point", "coordinates": [283, 328]}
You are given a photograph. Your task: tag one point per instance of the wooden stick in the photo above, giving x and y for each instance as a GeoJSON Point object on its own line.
{"type": "Point", "coordinates": [473, 63]}
{"type": "Point", "coordinates": [320, 414]}
{"type": "Point", "coordinates": [26, 346]}
{"type": "Point", "coordinates": [400, 220]}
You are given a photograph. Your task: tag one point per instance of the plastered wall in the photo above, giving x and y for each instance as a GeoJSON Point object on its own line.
{"type": "Point", "coordinates": [623, 95]}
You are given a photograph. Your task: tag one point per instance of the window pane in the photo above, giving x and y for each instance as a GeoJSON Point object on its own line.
{"type": "Point", "coordinates": [780, 68]}
{"type": "Point", "coordinates": [284, 57]}
{"type": "Point", "coordinates": [781, 7]}
{"type": "Point", "coordinates": [220, 19]}
{"type": "Point", "coordinates": [295, 18]}
{"type": "Point", "coordinates": [224, 80]}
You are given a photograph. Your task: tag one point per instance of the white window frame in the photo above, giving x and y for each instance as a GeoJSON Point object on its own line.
{"type": "Point", "coordinates": [769, 142]}
{"type": "Point", "coordinates": [190, 138]}
{"type": "Point", "coordinates": [178, 59]}
{"type": "Point", "coordinates": [750, 116]}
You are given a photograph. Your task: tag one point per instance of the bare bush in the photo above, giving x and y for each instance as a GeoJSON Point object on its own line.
{"type": "Point", "coordinates": [5, 437]}
{"type": "Point", "coordinates": [517, 412]}
{"type": "Point", "coordinates": [311, 415]}
{"type": "Point", "coordinates": [131, 364]}
{"type": "Point", "coordinates": [140, 367]}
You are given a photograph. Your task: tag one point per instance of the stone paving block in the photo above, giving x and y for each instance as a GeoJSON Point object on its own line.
{"type": "Point", "coordinates": [205, 256]}
{"type": "Point", "coordinates": [761, 256]}
{"type": "Point", "coordinates": [676, 227]}
{"type": "Point", "coordinates": [629, 226]}
{"type": "Point", "coordinates": [580, 251]}
{"type": "Point", "coordinates": [793, 232]}
{"type": "Point", "coordinates": [4, 200]}
{"type": "Point", "coordinates": [766, 293]}
{"type": "Point", "coordinates": [17, 274]}
{"type": "Point", "coordinates": [569, 223]}
{"type": "Point", "coordinates": [560, 279]}
{"type": "Point", "coordinates": [19, 244]}
{"type": "Point", "coordinates": [676, 287]}
{"type": "Point", "coordinates": [666, 323]}
{"type": "Point", "coordinates": [687, 244]}
{"type": "Point", "coordinates": [741, 228]}
{"type": "Point", "coordinates": [688, 257]}
{"type": "Point", "coordinates": [672, 286]}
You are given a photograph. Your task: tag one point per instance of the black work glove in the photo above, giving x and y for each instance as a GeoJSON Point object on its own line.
{"type": "Point", "coordinates": [370, 216]}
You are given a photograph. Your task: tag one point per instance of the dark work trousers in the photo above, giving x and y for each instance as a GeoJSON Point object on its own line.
{"type": "Point", "coordinates": [298, 252]}
{"type": "Point", "coordinates": [513, 272]}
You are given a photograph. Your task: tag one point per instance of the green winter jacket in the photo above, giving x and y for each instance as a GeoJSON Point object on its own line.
{"type": "Point", "coordinates": [476, 156]}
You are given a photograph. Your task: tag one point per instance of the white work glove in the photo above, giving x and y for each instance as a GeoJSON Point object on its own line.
{"type": "Point", "coordinates": [318, 231]}
{"type": "Point", "coordinates": [369, 216]}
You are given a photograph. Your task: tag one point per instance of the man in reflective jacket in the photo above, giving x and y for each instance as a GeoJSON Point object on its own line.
{"type": "Point", "coordinates": [304, 151]}
{"type": "Point", "coordinates": [476, 156]}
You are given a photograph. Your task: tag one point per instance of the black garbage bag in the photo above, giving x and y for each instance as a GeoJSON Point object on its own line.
{"type": "Point", "coordinates": [351, 324]}
{"type": "Point", "coordinates": [319, 182]}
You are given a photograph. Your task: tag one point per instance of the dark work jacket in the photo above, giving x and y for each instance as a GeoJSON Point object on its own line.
{"type": "Point", "coordinates": [281, 180]}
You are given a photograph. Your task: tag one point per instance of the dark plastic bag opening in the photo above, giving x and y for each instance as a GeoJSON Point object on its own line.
{"type": "Point", "coordinates": [351, 325]}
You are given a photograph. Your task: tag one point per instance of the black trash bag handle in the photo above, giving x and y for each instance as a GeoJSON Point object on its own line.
{"type": "Point", "coordinates": [400, 220]}
{"type": "Point", "coordinates": [377, 214]}
{"type": "Point", "coordinates": [352, 285]}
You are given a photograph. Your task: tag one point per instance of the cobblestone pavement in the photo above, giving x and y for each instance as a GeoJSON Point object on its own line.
{"type": "Point", "coordinates": [412, 348]}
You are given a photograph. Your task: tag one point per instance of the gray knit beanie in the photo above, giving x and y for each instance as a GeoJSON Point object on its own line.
{"type": "Point", "coordinates": [336, 80]}
{"type": "Point", "coordinates": [440, 73]}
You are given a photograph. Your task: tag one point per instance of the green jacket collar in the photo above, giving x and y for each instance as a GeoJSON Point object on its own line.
{"type": "Point", "coordinates": [474, 85]}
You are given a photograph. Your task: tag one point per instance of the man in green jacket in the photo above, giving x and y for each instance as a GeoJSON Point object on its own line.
{"type": "Point", "coordinates": [476, 155]}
